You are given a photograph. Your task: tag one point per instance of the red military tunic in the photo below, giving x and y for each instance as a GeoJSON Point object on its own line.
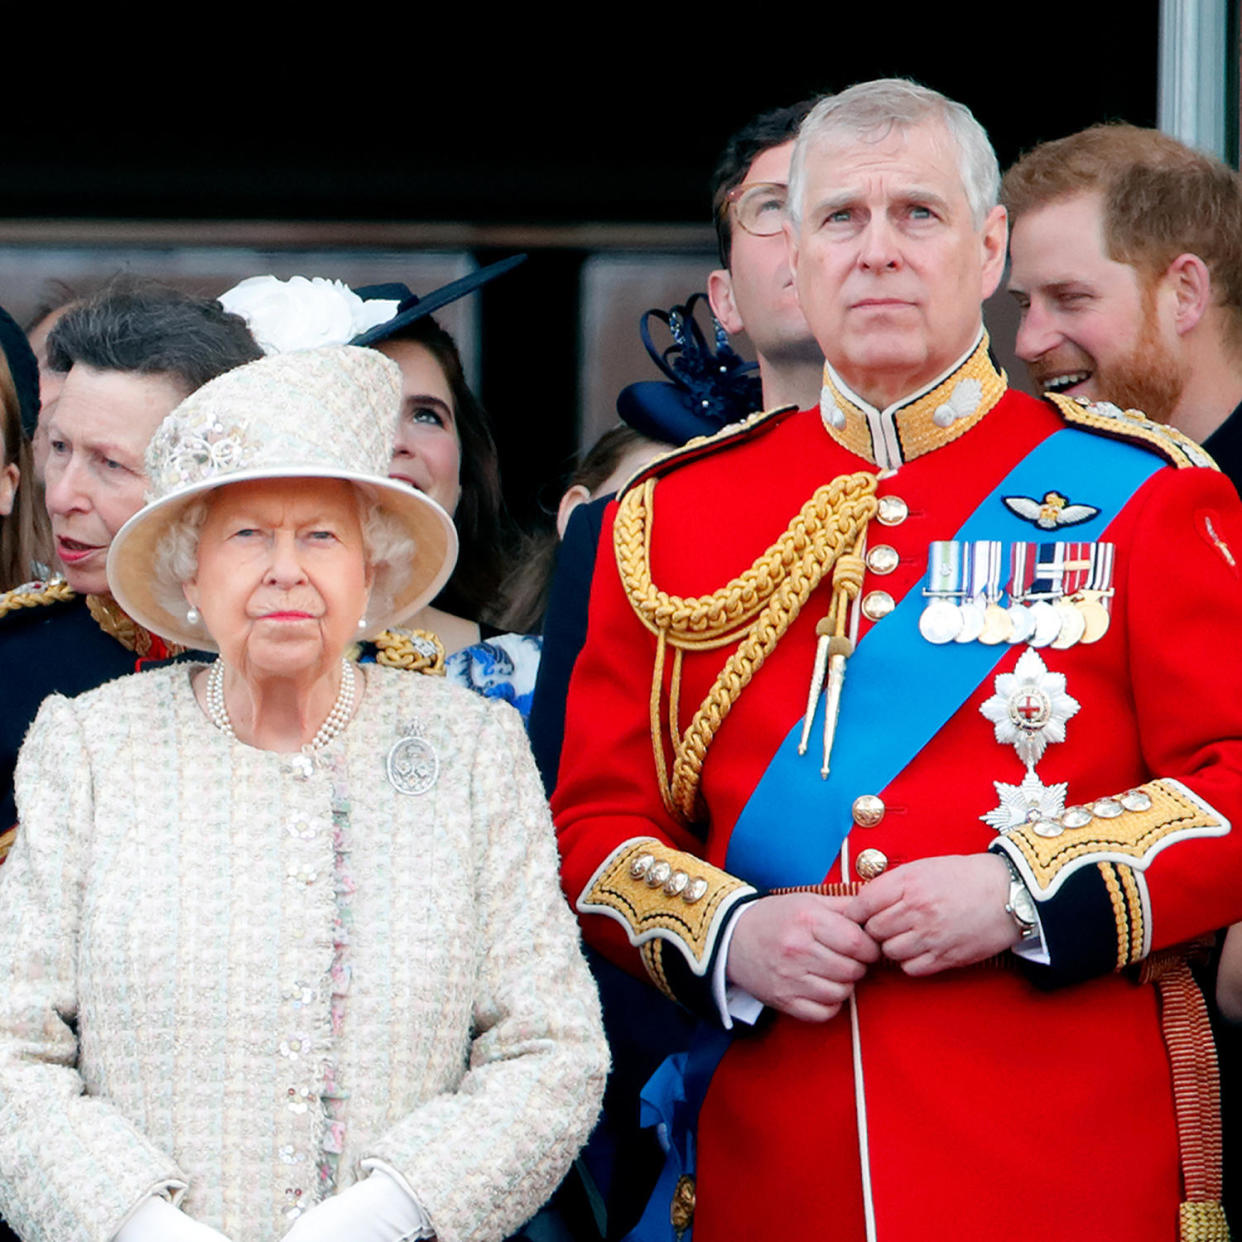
{"type": "Point", "coordinates": [991, 1103]}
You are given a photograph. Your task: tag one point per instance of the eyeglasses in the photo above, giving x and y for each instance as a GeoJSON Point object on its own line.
{"type": "Point", "coordinates": [759, 206]}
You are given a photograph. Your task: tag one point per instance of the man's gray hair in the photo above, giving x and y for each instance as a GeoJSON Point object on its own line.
{"type": "Point", "coordinates": [871, 110]}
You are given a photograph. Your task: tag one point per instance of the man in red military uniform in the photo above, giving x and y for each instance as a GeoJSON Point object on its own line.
{"type": "Point", "coordinates": [961, 662]}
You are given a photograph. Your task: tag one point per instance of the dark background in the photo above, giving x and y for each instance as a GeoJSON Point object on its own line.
{"type": "Point", "coordinates": [604, 116]}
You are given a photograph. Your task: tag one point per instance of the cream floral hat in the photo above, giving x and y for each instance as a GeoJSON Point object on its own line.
{"type": "Point", "coordinates": [317, 414]}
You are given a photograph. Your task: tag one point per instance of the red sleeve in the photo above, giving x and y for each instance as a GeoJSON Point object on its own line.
{"type": "Point", "coordinates": [634, 873]}
{"type": "Point", "coordinates": [1170, 869]}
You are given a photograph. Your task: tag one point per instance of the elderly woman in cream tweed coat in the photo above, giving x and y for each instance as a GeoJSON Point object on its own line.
{"type": "Point", "coordinates": [284, 954]}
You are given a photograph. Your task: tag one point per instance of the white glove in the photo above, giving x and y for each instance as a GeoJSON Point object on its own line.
{"type": "Point", "coordinates": [158, 1221]}
{"type": "Point", "coordinates": [374, 1210]}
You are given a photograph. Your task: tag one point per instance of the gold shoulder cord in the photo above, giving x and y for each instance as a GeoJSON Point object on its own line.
{"type": "Point", "coordinates": [118, 624]}
{"type": "Point", "coordinates": [417, 651]}
{"type": "Point", "coordinates": [754, 610]}
{"type": "Point", "coordinates": [53, 592]}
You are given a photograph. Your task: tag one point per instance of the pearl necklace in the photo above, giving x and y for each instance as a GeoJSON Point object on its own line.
{"type": "Point", "coordinates": [338, 717]}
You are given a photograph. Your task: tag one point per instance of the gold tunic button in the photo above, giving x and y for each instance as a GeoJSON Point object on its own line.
{"type": "Point", "coordinates": [892, 511]}
{"type": "Point", "coordinates": [877, 604]}
{"type": "Point", "coordinates": [870, 863]}
{"type": "Point", "coordinates": [882, 559]}
{"type": "Point", "coordinates": [868, 810]}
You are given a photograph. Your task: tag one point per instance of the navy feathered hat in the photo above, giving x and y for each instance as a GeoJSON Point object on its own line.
{"type": "Point", "coordinates": [706, 389]}
{"type": "Point", "coordinates": [413, 307]}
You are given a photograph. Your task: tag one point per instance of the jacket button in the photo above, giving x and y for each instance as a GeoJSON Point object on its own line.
{"type": "Point", "coordinates": [882, 559]}
{"type": "Point", "coordinates": [870, 863]}
{"type": "Point", "coordinates": [868, 810]}
{"type": "Point", "coordinates": [877, 604]}
{"type": "Point", "coordinates": [892, 511]}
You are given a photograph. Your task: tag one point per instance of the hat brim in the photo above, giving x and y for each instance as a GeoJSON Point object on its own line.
{"type": "Point", "coordinates": [131, 557]}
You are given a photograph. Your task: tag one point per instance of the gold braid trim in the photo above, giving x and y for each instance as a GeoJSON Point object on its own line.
{"type": "Point", "coordinates": [6, 842]}
{"type": "Point", "coordinates": [398, 649]}
{"type": "Point", "coordinates": [1202, 1222]}
{"type": "Point", "coordinates": [35, 594]}
{"type": "Point", "coordinates": [754, 610]}
{"type": "Point", "coordinates": [1132, 838]}
{"type": "Point", "coordinates": [1120, 914]}
{"type": "Point", "coordinates": [1173, 445]}
{"type": "Point", "coordinates": [118, 624]}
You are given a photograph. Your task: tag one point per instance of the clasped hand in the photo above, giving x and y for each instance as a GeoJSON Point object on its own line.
{"type": "Point", "coordinates": [803, 954]}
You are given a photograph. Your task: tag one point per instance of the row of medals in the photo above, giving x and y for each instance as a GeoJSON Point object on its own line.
{"type": "Point", "coordinates": [1044, 616]}
{"type": "Point", "coordinates": [1080, 618]}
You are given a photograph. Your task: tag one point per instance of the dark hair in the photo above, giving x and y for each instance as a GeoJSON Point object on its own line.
{"type": "Point", "coordinates": [485, 533]}
{"type": "Point", "coordinates": [529, 583]}
{"type": "Point", "coordinates": [56, 295]}
{"type": "Point", "coordinates": [141, 327]}
{"type": "Point", "coordinates": [25, 535]}
{"type": "Point", "coordinates": [1160, 199]}
{"type": "Point", "coordinates": [767, 130]}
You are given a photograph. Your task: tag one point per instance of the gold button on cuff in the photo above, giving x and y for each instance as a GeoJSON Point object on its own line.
{"type": "Point", "coordinates": [892, 511]}
{"type": "Point", "coordinates": [877, 604]}
{"type": "Point", "coordinates": [870, 863]}
{"type": "Point", "coordinates": [882, 559]}
{"type": "Point", "coordinates": [868, 810]}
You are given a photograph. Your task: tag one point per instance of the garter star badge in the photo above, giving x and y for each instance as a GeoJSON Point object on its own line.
{"type": "Point", "coordinates": [1031, 802]}
{"type": "Point", "coordinates": [1030, 707]}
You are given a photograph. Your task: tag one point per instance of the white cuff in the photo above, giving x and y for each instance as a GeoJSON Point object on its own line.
{"type": "Point", "coordinates": [731, 1001]}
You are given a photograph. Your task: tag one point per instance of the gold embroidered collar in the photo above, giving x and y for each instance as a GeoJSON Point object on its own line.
{"type": "Point", "coordinates": [926, 420]}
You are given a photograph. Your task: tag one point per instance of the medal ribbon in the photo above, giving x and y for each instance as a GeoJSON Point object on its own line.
{"type": "Point", "coordinates": [770, 849]}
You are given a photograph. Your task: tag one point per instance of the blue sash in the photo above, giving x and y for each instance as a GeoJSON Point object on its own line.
{"type": "Point", "coordinates": [894, 663]}
{"type": "Point", "coordinates": [900, 690]}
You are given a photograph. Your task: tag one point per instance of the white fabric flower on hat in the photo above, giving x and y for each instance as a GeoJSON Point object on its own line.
{"type": "Point", "coordinates": [301, 313]}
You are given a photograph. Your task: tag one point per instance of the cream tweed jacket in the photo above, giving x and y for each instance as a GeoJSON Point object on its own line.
{"type": "Point", "coordinates": [174, 909]}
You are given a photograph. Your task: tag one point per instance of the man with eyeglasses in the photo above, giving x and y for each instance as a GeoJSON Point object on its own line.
{"type": "Point", "coordinates": [754, 291]}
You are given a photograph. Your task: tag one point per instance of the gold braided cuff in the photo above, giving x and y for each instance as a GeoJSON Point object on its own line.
{"type": "Point", "coordinates": [663, 896]}
{"type": "Point", "coordinates": [1131, 829]}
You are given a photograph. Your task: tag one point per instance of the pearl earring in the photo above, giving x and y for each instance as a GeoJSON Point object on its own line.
{"type": "Point", "coordinates": [191, 615]}
{"type": "Point", "coordinates": [362, 621]}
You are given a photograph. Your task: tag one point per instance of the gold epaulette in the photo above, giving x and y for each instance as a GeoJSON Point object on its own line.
{"type": "Point", "coordinates": [1133, 425]}
{"type": "Point", "coordinates": [6, 842]}
{"type": "Point", "coordinates": [700, 446]}
{"type": "Point", "coordinates": [34, 595]}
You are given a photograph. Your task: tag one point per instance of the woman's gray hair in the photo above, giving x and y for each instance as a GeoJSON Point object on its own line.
{"type": "Point", "coordinates": [871, 110]}
{"type": "Point", "coordinates": [388, 549]}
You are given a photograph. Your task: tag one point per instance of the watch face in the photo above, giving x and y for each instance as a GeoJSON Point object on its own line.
{"type": "Point", "coordinates": [1021, 904]}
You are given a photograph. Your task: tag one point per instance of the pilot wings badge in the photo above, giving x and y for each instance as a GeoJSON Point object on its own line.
{"type": "Point", "coordinates": [1051, 513]}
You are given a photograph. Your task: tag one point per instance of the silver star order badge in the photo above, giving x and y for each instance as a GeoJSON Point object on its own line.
{"type": "Point", "coordinates": [1032, 802]}
{"type": "Point", "coordinates": [1030, 707]}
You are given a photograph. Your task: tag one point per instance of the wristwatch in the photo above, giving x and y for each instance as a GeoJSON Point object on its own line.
{"type": "Point", "coordinates": [1021, 906]}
